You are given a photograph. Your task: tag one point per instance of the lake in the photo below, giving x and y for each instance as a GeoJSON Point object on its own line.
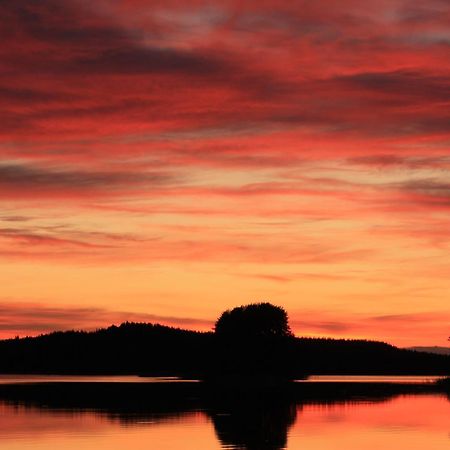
{"type": "Point", "coordinates": [403, 422]}
{"type": "Point", "coordinates": [14, 379]}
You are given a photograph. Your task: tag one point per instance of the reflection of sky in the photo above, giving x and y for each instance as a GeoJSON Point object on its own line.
{"type": "Point", "coordinates": [14, 379]}
{"type": "Point", "coordinates": [403, 423]}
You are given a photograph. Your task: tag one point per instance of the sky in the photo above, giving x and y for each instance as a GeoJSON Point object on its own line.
{"type": "Point", "coordinates": [166, 160]}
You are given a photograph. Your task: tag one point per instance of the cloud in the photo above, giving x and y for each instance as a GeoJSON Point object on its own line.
{"type": "Point", "coordinates": [386, 327]}
{"type": "Point", "coordinates": [407, 162]}
{"type": "Point", "coordinates": [431, 187]}
{"type": "Point", "coordinates": [93, 44]}
{"type": "Point", "coordinates": [14, 218]}
{"type": "Point", "coordinates": [21, 237]}
{"type": "Point", "coordinates": [428, 193]}
{"type": "Point", "coordinates": [89, 56]}
{"type": "Point", "coordinates": [135, 132]}
{"type": "Point", "coordinates": [148, 60]}
{"type": "Point", "coordinates": [34, 318]}
{"type": "Point", "coordinates": [400, 85]}
{"type": "Point", "coordinates": [328, 327]}
{"type": "Point", "coordinates": [28, 179]}
{"type": "Point", "coordinates": [291, 277]}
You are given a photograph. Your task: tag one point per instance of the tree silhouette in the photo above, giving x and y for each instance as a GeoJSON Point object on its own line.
{"type": "Point", "coordinates": [257, 320]}
{"type": "Point", "coordinates": [252, 340]}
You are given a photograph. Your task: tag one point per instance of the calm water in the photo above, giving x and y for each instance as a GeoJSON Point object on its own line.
{"type": "Point", "coordinates": [413, 379]}
{"type": "Point", "coordinates": [401, 423]}
{"type": "Point", "coordinates": [14, 379]}
{"type": "Point", "coordinates": [10, 379]}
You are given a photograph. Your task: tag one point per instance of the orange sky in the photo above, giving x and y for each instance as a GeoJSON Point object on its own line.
{"type": "Point", "coordinates": [164, 161]}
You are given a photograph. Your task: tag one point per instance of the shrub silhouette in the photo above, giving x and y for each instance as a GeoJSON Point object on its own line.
{"type": "Point", "coordinates": [257, 320]}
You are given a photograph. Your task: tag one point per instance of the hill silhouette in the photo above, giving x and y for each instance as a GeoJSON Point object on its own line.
{"type": "Point", "coordinates": [152, 349]}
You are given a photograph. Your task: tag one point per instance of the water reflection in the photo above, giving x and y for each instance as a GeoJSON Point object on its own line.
{"type": "Point", "coordinates": [254, 422]}
{"type": "Point", "coordinates": [251, 421]}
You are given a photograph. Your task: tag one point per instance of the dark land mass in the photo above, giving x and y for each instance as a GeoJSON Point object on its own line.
{"type": "Point", "coordinates": [146, 349]}
{"type": "Point", "coordinates": [435, 349]}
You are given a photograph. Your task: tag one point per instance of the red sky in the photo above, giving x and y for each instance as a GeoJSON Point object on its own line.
{"type": "Point", "coordinates": [166, 160]}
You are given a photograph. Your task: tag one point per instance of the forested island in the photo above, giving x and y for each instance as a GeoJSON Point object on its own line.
{"type": "Point", "coordinates": [250, 339]}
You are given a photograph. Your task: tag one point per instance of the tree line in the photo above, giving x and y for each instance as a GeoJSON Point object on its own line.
{"type": "Point", "coordinates": [251, 339]}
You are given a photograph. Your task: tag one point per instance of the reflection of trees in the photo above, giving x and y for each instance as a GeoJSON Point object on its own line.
{"type": "Point", "coordinates": [252, 422]}
{"type": "Point", "coordinates": [444, 386]}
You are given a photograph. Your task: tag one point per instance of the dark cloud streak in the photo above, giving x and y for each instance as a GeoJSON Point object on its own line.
{"type": "Point", "coordinates": [31, 318]}
{"type": "Point", "coordinates": [26, 176]}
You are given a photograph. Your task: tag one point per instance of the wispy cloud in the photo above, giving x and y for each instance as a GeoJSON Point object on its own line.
{"type": "Point", "coordinates": [30, 180]}
{"type": "Point", "coordinates": [34, 318]}
{"type": "Point", "coordinates": [283, 143]}
{"type": "Point", "coordinates": [394, 327]}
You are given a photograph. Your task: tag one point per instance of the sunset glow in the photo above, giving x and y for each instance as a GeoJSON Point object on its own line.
{"type": "Point", "coordinates": [164, 161]}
